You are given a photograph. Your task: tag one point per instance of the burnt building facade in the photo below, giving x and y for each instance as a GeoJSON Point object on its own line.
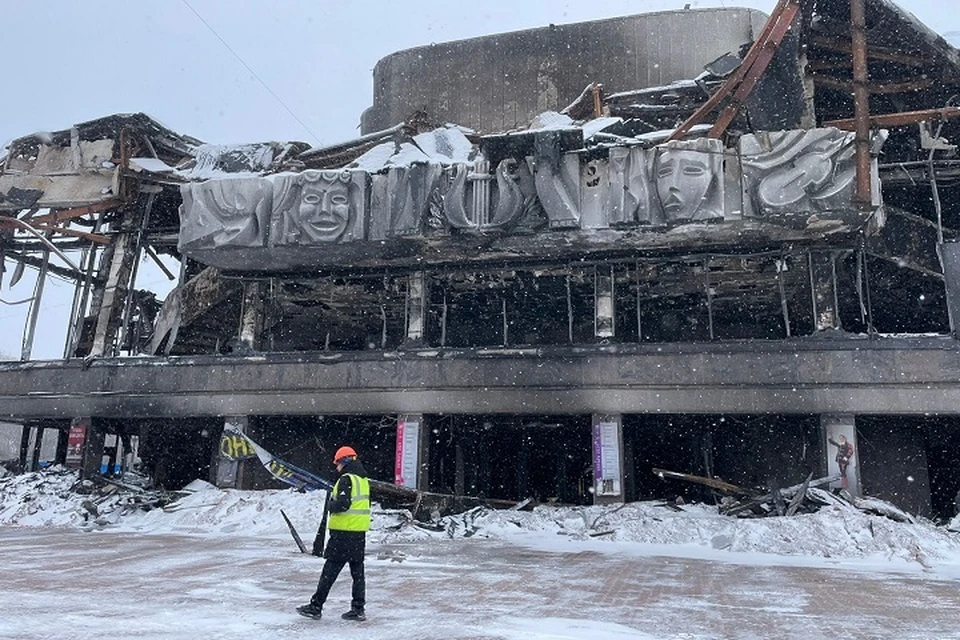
{"type": "Point", "coordinates": [715, 259]}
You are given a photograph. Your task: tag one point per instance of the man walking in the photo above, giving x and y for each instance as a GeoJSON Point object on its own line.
{"type": "Point", "coordinates": [349, 520]}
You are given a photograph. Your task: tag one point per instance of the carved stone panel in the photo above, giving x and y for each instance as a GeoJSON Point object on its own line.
{"type": "Point", "coordinates": [798, 173]}
{"type": "Point", "coordinates": [400, 200]}
{"type": "Point", "coordinates": [319, 207]}
{"type": "Point", "coordinates": [688, 179]}
{"type": "Point", "coordinates": [557, 176]}
{"type": "Point", "coordinates": [225, 213]}
{"type": "Point", "coordinates": [594, 194]}
{"type": "Point", "coordinates": [629, 195]}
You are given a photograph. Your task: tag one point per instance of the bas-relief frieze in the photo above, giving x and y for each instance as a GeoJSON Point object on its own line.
{"type": "Point", "coordinates": [470, 204]}
{"type": "Point", "coordinates": [677, 183]}
{"type": "Point", "coordinates": [688, 180]}
{"type": "Point", "coordinates": [798, 173]}
{"type": "Point", "coordinates": [226, 213]}
{"type": "Point", "coordinates": [318, 207]}
{"type": "Point", "coordinates": [557, 177]}
{"type": "Point", "coordinates": [785, 174]}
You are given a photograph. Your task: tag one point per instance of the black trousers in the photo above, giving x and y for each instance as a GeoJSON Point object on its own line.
{"type": "Point", "coordinates": [331, 569]}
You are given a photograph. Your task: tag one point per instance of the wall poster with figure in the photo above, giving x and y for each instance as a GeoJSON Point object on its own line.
{"type": "Point", "coordinates": [841, 452]}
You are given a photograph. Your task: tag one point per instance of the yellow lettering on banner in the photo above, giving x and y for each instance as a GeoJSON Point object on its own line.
{"type": "Point", "coordinates": [278, 469]}
{"type": "Point", "coordinates": [235, 447]}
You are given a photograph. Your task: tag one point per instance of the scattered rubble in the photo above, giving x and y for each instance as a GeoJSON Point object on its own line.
{"type": "Point", "coordinates": [805, 497]}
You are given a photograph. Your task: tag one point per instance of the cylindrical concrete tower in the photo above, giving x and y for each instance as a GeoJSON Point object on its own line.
{"type": "Point", "coordinates": [499, 82]}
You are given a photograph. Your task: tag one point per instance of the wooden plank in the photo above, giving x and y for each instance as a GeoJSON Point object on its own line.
{"type": "Point", "coordinates": [710, 482]}
{"type": "Point", "coordinates": [746, 506]}
{"type": "Point", "coordinates": [873, 52]}
{"type": "Point", "coordinates": [799, 496]}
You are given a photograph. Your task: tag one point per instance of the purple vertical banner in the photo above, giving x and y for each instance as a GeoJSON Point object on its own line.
{"type": "Point", "coordinates": [597, 455]}
{"type": "Point", "coordinates": [398, 478]}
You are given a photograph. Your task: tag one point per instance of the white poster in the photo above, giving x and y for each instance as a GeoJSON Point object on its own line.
{"type": "Point", "coordinates": [606, 457]}
{"type": "Point", "coordinates": [408, 450]}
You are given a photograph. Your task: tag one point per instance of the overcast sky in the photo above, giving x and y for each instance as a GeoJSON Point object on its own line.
{"type": "Point", "coordinates": [230, 71]}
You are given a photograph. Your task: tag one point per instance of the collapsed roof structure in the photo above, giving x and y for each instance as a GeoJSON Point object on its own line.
{"type": "Point", "coordinates": [730, 256]}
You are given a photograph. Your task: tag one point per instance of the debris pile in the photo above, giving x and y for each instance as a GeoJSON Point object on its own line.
{"type": "Point", "coordinates": [56, 496]}
{"type": "Point", "coordinates": [805, 497]}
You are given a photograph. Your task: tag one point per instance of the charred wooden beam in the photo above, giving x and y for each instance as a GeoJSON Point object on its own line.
{"type": "Point", "coordinates": [873, 52]}
{"type": "Point", "coordinates": [589, 104]}
{"type": "Point", "coordinates": [713, 483]}
{"type": "Point", "coordinates": [792, 491]}
{"type": "Point", "coordinates": [885, 88]}
{"type": "Point", "coordinates": [10, 223]}
{"type": "Point", "coordinates": [424, 503]}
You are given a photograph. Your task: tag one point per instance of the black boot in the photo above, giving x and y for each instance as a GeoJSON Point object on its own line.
{"type": "Point", "coordinates": [311, 610]}
{"type": "Point", "coordinates": [355, 614]}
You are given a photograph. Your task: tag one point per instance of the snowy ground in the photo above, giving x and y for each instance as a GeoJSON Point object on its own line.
{"type": "Point", "coordinates": [221, 563]}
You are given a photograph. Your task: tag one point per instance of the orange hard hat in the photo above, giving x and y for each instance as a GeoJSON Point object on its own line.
{"type": "Point", "coordinates": [344, 452]}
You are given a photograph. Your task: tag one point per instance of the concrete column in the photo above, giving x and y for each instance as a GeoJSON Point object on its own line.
{"type": "Point", "coordinates": [950, 257]}
{"type": "Point", "coordinates": [92, 451]}
{"type": "Point", "coordinates": [251, 317]}
{"type": "Point", "coordinates": [416, 312]}
{"type": "Point", "coordinates": [411, 465]}
{"type": "Point", "coordinates": [604, 307]}
{"type": "Point", "coordinates": [823, 285]}
{"type": "Point", "coordinates": [63, 438]}
{"type": "Point", "coordinates": [37, 446]}
{"type": "Point", "coordinates": [841, 450]}
{"type": "Point", "coordinates": [608, 481]}
{"type": "Point", "coordinates": [228, 473]}
{"type": "Point", "coordinates": [23, 458]}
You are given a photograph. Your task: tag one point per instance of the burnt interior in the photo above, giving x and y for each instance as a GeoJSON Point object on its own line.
{"type": "Point", "coordinates": [885, 279]}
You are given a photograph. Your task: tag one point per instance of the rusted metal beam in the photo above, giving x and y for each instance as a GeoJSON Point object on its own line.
{"type": "Point", "coordinates": [753, 75]}
{"type": "Point", "coordinates": [900, 119]}
{"type": "Point", "coordinates": [753, 66]}
{"type": "Point", "coordinates": [861, 103]}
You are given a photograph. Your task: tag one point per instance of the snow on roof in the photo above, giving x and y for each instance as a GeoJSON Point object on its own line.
{"type": "Point", "coordinates": [219, 161]}
{"type": "Point", "coordinates": [152, 165]}
{"type": "Point", "coordinates": [444, 146]}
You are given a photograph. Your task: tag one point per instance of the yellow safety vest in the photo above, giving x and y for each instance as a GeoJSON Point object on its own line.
{"type": "Point", "coordinates": [357, 517]}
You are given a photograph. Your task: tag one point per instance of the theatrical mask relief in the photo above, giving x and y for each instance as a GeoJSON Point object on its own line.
{"type": "Point", "coordinates": [785, 175]}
